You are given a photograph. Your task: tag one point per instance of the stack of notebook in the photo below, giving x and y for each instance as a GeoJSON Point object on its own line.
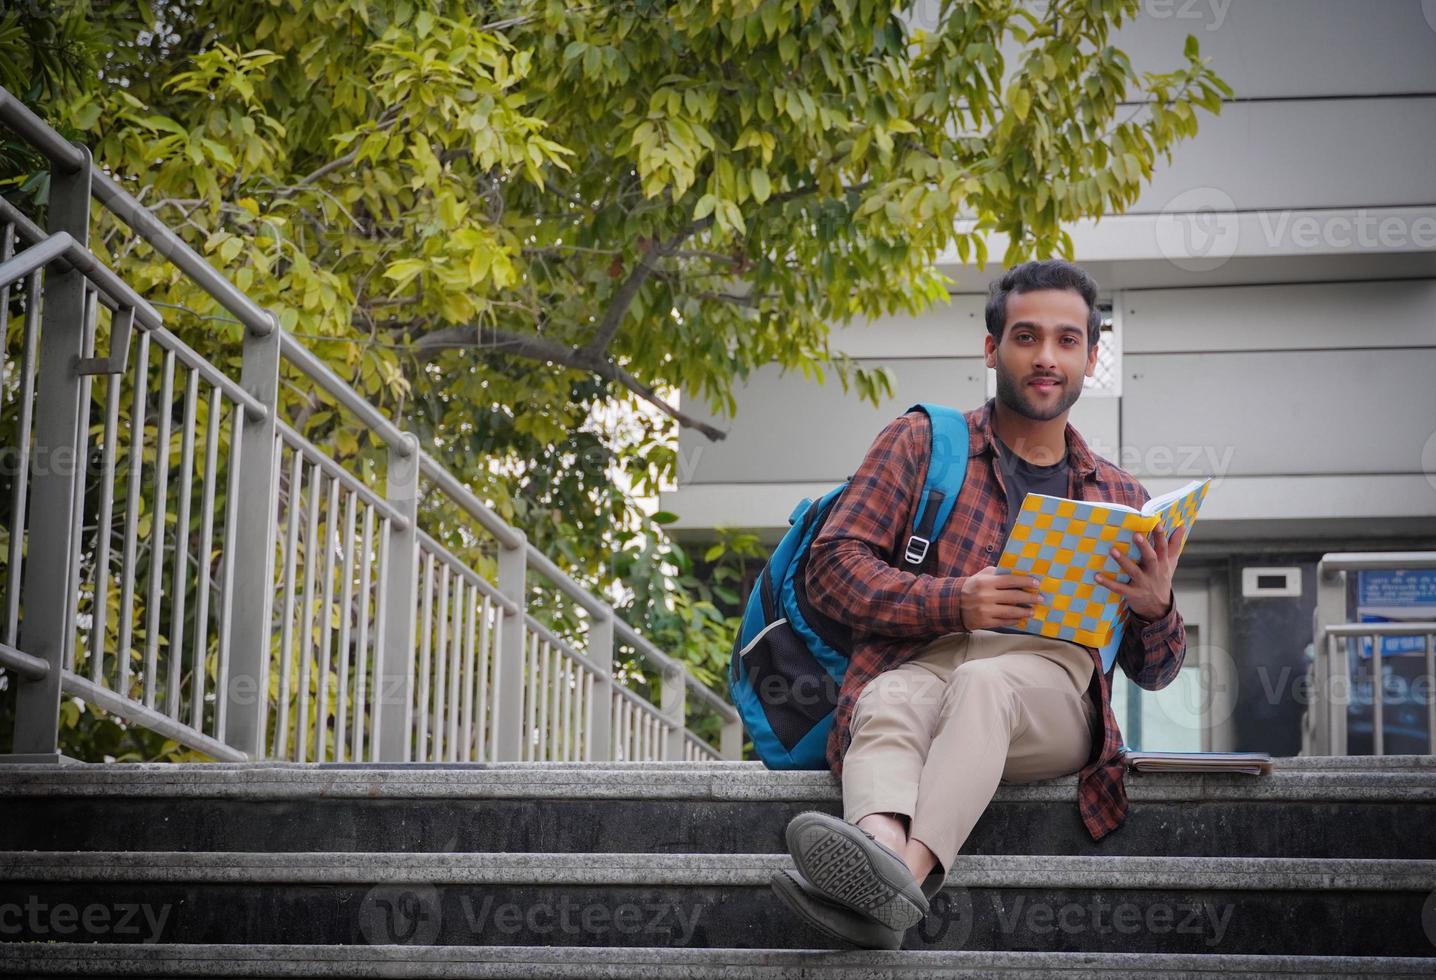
{"type": "Point", "coordinates": [1254, 763]}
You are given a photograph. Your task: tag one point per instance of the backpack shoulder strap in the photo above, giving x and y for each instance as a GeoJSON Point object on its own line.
{"type": "Point", "coordinates": [946, 468]}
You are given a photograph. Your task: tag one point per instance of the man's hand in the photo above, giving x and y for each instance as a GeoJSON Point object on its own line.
{"type": "Point", "coordinates": [992, 598]}
{"type": "Point", "coordinates": [1149, 594]}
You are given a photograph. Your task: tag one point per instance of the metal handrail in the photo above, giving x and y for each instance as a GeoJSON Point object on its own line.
{"type": "Point", "coordinates": [1325, 722]}
{"type": "Point", "coordinates": [267, 344]}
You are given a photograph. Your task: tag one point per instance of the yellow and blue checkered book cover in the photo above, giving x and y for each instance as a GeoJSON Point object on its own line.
{"type": "Point", "coordinates": [1066, 543]}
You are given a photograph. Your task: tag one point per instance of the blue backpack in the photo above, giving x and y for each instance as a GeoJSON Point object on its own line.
{"type": "Point", "coordinates": [789, 658]}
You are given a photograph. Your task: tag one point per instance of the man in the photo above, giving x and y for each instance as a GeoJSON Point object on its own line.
{"type": "Point", "coordinates": [942, 699]}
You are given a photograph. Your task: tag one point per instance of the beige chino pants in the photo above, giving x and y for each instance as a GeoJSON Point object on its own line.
{"type": "Point", "coordinates": [933, 737]}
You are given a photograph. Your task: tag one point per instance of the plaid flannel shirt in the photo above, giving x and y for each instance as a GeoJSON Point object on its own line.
{"type": "Point", "coordinates": [852, 577]}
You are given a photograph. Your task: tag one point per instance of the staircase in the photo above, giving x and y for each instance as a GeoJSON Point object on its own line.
{"type": "Point", "coordinates": [1325, 867]}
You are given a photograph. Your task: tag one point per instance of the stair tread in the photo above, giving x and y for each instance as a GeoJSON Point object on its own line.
{"type": "Point", "coordinates": [699, 870]}
{"type": "Point", "coordinates": [698, 781]}
{"type": "Point", "coordinates": [539, 962]}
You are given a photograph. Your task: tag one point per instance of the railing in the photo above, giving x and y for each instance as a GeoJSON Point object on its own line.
{"type": "Point", "coordinates": [1324, 727]}
{"type": "Point", "coordinates": [223, 582]}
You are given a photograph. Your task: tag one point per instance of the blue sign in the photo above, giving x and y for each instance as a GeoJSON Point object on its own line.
{"type": "Point", "coordinates": [1394, 596]}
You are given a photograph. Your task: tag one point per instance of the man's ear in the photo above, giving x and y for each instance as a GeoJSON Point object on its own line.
{"type": "Point", "coordinates": [1092, 359]}
{"type": "Point", "coordinates": [989, 350]}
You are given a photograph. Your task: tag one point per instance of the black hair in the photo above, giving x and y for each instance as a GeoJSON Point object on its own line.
{"type": "Point", "coordinates": [1044, 274]}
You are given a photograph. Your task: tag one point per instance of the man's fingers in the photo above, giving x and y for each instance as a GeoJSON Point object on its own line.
{"type": "Point", "coordinates": [1174, 543]}
{"type": "Point", "coordinates": [1018, 581]}
{"type": "Point", "coordinates": [1124, 561]}
{"type": "Point", "coordinates": [1109, 582]}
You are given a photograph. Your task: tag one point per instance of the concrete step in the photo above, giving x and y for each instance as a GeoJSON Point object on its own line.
{"type": "Point", "coordinates": [66, 959]}
{"type": "Point", "coordinates": [1322, 807]}
{"type": "Point", "coordinates": [1294, 907]}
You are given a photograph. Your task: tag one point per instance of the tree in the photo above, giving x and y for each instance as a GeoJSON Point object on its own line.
{"type": "Point", "coordinates": [510, 222]}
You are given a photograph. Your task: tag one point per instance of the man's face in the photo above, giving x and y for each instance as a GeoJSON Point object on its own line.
{"type": "Point", "coordinates": [1043, 356]}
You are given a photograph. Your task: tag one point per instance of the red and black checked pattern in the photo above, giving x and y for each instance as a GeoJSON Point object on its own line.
{"type": "Point", "coordinates": [852, 578]}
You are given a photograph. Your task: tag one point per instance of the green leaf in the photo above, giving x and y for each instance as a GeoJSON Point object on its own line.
{"type": "Point", "coordinates": [758, 183]}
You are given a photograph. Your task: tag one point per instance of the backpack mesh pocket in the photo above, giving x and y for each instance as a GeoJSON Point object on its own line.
{"type": "Point", "coordinates": [796, 692]}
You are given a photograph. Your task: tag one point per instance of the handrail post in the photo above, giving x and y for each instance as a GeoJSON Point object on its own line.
{"type": "Point", "coordinates": [509, 667]}
{"type": "Point", "coordinates": [394, 660]}
{"type": "Point", "coordinates": [599, 736]}
{"type": "Point", "coordinates": [1331, 654]}
{"type": "Point", "coordinates": [250, 588]}
{"type": "Point", "coordinates": [47, 630]}
{"type": "Point", "coordinates": [730, 739]}
{"type": "Point", "coordinates": [1316, 723]}
{"type": "Point", "coordinates": [674, 705]}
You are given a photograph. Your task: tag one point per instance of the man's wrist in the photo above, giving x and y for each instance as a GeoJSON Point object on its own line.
{"type": "Point", "coordinates": [1171, 603]}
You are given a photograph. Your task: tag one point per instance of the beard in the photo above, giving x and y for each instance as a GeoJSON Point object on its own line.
{"type": "Point", "coordinates": [1015, 396]}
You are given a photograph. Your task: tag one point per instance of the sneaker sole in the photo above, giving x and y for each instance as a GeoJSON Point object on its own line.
{"type": "Point", "coordinates": [834, 921]}
{"type": "Point", "coordinates": [844, 866]}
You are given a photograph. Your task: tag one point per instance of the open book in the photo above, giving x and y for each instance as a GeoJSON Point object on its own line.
{"type": "Point", "coordinates": [1065, 543]}
{"type": "Point", "coordinates": [1253, 763]}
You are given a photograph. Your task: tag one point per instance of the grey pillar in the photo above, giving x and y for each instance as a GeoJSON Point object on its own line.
{"type": "Point", "coordinates": [252, 587]}
{"type": "Point", "coordinates": [47, 627]}
{"type": "Point", "coordinates": [509, 668]}
{"type": "Point", "coordinates": [394, 660]}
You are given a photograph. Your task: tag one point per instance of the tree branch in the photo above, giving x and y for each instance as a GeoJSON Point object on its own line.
{"type": "Point", "coordinates": [638, 275]}
{"type": "Point", "coordinates": [623, 299]}
{"type": "Point", "coordinates": [540, 349]}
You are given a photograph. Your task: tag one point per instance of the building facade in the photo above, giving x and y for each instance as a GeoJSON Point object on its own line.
{"type": "Point", "coordinates": [1271, 322]}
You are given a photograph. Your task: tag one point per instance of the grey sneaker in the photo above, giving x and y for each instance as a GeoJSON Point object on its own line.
{"type": "Point", "coordinates": [848, 866]}
{"type": "Point", "coordinates": [838, 921]}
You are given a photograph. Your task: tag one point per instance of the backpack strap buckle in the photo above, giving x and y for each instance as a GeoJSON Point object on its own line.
{"type": "Point", "coordinates": [916, 550]}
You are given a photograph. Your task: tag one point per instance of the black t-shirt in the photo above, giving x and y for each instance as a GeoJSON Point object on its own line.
{"type": "Point", "coordinates": [1020, 478]}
